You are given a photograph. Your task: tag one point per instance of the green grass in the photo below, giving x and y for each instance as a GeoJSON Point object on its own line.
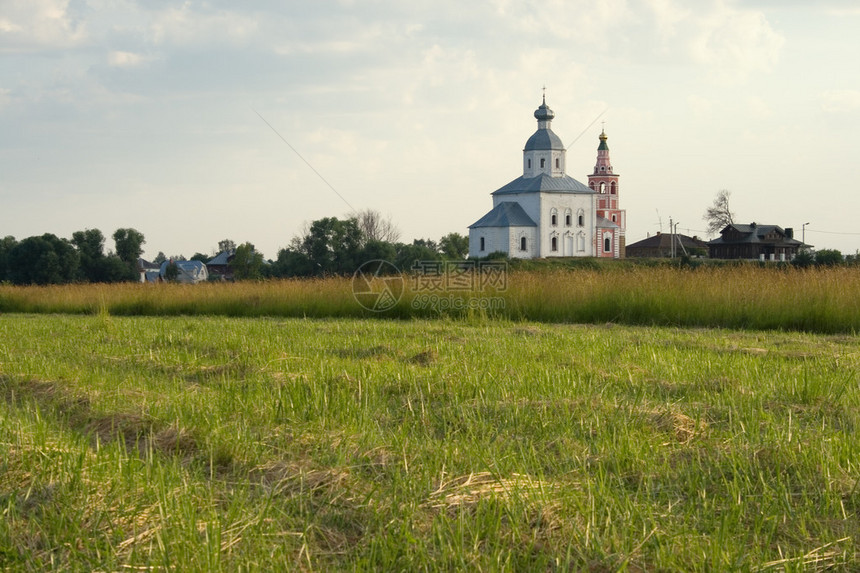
{"type": "Point", "coordinates": [295, 444]}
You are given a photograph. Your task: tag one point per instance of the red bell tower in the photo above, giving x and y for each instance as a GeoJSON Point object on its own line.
{"type": "Point", "coordinates": [609, 239]}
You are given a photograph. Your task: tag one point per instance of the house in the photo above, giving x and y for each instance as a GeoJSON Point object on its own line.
{"type": "Point", "coordinates": [660, 245]}
{"type": "Point", "coordinates": [219, 265]}
{"type": "Point", "coordinates": [189, 272]}
{"type": "Point", "coordinates": [754, 241]}
{"type": "Point", "coordinates": [547, 213]}
{"type": "Point", "coordinates": [148, 271]}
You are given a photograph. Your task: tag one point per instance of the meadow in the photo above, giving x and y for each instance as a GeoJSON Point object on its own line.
{"type": "Point", "coordinates": [207, 443]}
{"type": "Point", "coordinates": [823, 300]}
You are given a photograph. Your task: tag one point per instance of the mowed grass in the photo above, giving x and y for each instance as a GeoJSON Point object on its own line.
{"type": "Point", "coordinates": [206, 444]}
{"type": "Point", "coordinates": [749, 296]}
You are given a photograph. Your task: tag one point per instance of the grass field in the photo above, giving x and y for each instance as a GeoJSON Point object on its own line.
{"type": "Point", "coordinates": [207, 443]}
{"type": "Point", "coordinates": [824, 300]}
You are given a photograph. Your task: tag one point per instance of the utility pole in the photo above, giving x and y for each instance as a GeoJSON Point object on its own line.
{"type": "Point", "coordinates": [803, 227]}
{"type": "Point", "coordinates": [671, 239]}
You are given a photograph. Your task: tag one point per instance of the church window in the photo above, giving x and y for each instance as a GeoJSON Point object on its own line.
{"type": "Point", "coordinates": [591, 184]}
{"type": "Point", "coordinates": [603, 168]}
{"type": "Point", "coordinates": [523, 244]}
{"type": "Point", "coordinates": [567, 218]}
{"type": "Point", "coordinates": [603, 187]}
{"type": "Point", "coordinates": [554, 244]}
{"type": "Point", "coordinates": [542, 163]}
{"type": "Point", "coordinates": [529, 161]}
{"type": "Point", "coordinates": [607, 244]}
{"type": "Point", "coordinates": [580, 218]}
{"type": "Point", "coordinates": [612, 188]}
{"type": "Point", "coordinates": [553, 217]}
{"type": "Point", "coordinates": [556, 162]}
{"type": "Point", "coordinates": [482, 243]}
{"type": "Point", "coordinates": [614, 220]}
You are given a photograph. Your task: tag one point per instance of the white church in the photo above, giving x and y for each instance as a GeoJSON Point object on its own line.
{"type": "Point", "coordinates": [547, 213]}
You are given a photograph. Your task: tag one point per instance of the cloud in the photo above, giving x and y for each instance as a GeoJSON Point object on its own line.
{"type": "Point", "coordinates": [121, 59]}
{"type": "Point", "coordinates": [840, 101]}
{"type": "Point", "coordinates": [38, 25]}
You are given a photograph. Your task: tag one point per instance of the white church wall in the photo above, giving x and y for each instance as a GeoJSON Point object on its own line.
{"type": "Point", "coordinates": [495, 239]}
{"type": "Point", "coordinates": [577, 204]}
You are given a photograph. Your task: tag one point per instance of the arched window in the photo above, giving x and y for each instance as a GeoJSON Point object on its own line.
{"type": "Point", "coordinates": [529, 162]}
{"type": "Point", "coordinates": [591, 184]}
{"type": "Point", "coordinates": [602, 187]}
{"type": "Point", "coordinates": [614, 218]}
{"type": "Point", "coordinates": [612, 188]}
{"type": "Point", "coordinates": [553, 217]}
{"type": "Point", "coordinates": [554, 244]}
{"type": "Point", "coordinates": [580, 218]}
{"type": "Point", "coordinates": [568, 218]}
{"type": "Point", "coordinates": [556, 162]}
{"type": "Point", "coordinates": [523, 243]}
{"type": "Point", "coordinates": [482, 243]}
{"type": "Point", "coordinates": [542, 163]}
{"type": "Point", "coordinates": [607, 244]}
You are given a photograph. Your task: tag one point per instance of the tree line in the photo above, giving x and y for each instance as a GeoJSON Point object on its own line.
{"type": "Point", "coordinates": [325, 247]}
{"type": "Point", "coordinates": [48, 259]}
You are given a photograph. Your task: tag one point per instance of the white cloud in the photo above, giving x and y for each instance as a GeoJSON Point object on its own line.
{"type": "Point", "coordinates": [840, 101]}
{"type": "Point", "coordinates": [34, 25]}
{"type": "Point", "coordinates": [121, 59]}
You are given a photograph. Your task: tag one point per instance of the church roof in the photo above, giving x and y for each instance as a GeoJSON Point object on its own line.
{"type": "Point", "coordinates": [544, 183]}
{"type": "Point", "coordinates": [544, 139]}
{"type": "Point", "coordinates": [505, 214]}
{"type": "Point", "coordinates": [604, 223]}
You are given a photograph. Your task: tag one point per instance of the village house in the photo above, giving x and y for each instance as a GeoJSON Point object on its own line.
{"type": "Point", "coordinates": [754, 241]}
{"type": "Point", "coordinates": [660, 245]}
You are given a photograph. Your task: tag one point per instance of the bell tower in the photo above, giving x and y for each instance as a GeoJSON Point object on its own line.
{"type": "Point", "coordinates": [610, 241]}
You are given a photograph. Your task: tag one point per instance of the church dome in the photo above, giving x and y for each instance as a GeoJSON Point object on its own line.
{"type": "Point", "coordinates": [544, 138]}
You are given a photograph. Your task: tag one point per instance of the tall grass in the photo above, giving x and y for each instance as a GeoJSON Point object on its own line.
{"type": "Point", "coordinates": [823, 300]}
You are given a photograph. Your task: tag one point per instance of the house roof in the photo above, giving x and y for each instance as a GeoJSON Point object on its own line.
{"type": "Point", "coordinates": [661, 240]}
{"type": "Point", "coordinates": [222, 258]}
{"type": "Point", "coordinates": [543, 183]}
{"type": "Point", "coordinates": [505, 214]}
{"type": "Point", "coordinates": [754, 233]}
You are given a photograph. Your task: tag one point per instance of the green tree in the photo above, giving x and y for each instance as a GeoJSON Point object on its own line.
{"type": "Point", "coordinates": [129, 246]}
{"type": "Point", "coordinates": [43, 260]}
{"type": "Point", "coordinates": [6, 246]}
{"type": "Point", "coordinates": [200, 257]}
{"type": "Point", "coordinates": [247, 263]}
{"type": "Point", "coordinates": [419, 250]}
{"type": "Point", "coordinates": [90, 244]}
{"type": "Point", "coordinates": [454, 246]}
{"type": "Point", "coordinates": [828, 257]}
{"type": "Point", "coordinates": [226, 245]}
{"type": "Point", "coordinates": [332, 246]}
{"type": "Point", "coordinates": [171, 271]}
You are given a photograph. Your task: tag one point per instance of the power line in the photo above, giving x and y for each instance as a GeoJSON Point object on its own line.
{"type": "Point", "coordinates": [306, 161]}
{"type": "Point", "coordinates": [808, 230]}
{"type": "Point", "coordinates": [587, 128]}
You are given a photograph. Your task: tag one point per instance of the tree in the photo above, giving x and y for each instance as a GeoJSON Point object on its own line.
{"type": "Point", "coordinates": [247, 263]}
{"type": "Point", "coordinates": [200, 257]}
{"type": "Point", "coordinates": [419, 250]}
{"type": "Point", "coordinates": [719, 215]}
{"type": "Point", "coordinates": [226, 245]}
{"type": "Point", "coordinates": [374, 227]}
{"type": "Point", "coordinates": [90, 244]}
{"type": "Point", "coordinates": [43, 260]}
{"type": "Point", "coordinates": [828, 257]}
{"type": "Point", "coordinates": [129, 248]}
{"type": "Point", "coordinates": [454, 246]}
{"type": "Point", "coordinates": [171, 272]}
{"type": "Point", "coordinates": [159, 258]}
{"type": "Point", "coordinates": [6, 246]}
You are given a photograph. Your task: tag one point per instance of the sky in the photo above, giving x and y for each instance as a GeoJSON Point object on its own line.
{"type": "Point", "coordinates": [196, 121]}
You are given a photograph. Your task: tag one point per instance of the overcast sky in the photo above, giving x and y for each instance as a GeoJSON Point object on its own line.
{"type": "Point", "coordinates": [144, 114]}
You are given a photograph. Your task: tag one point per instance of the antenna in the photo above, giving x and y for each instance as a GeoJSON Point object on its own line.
{"type": "Point", "coordinates": [659, 220]}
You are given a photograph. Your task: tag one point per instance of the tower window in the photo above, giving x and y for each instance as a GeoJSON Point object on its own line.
{"type": "Point", "coordinates": [482, 243]}
{"type": "Point", "coordinates": [542, 163]}
{"type": "Point", "coordinates": [607, 244]}
{"type": "Point", "coordinates": [612, 188]}
{"type": "Point", "coordinates": [603, 187]}
{"type": "Point", "coordinates": [523, 244]}
{"type": "Point", "coordinates": [556, 162]}
{"type": "Point", "coordinates": [529, 161]}
{"type": "Point", "coordinates": [614, 219]}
